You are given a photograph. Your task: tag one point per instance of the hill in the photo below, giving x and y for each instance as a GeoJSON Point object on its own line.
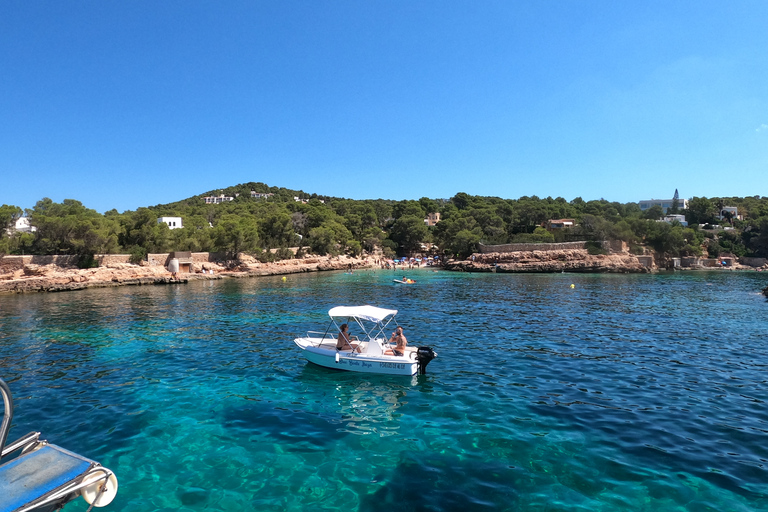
{"type": "Point", "coordinates": [265, 221]}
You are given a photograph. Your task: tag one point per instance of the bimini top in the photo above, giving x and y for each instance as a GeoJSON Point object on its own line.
{"type": "Point", "coordinates": [370, 313]}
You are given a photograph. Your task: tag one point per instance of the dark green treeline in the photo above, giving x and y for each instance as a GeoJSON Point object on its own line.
{"type": "Point", "coordinates": [330, 225]}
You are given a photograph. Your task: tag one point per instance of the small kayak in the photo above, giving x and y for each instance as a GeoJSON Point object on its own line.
{"type": "Point", "coordinates": [403, 281]}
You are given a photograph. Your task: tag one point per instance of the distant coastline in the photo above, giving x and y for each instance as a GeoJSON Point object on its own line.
{"type": "Point", "coordinates": [32, 274]}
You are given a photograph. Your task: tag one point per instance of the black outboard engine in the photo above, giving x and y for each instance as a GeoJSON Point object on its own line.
{"type": "Point", "coordinates": [423, 356]}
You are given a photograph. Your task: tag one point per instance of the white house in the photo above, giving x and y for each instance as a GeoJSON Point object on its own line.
{"type": "Point", "coordinates": [218, 199]}
{"type": "Point", "coordinates": [173, 222]}
{"type": "Point", "coordinates": [669, 219]}
{"type": "Point", "coordinates": [21, 225]}
{"type": "Point", "coordinates": [731, 211]}
{"type": "Point", "coordinates": [261, 195]}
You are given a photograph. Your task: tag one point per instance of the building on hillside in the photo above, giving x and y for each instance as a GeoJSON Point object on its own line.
{"type": "Point", "coordinates": [669, 219]}
{"type": "Point", "coordinates": [729, 212]}
{"type": "Point", "coordinates": [261, 195]}
{"type": "Point", "coordinates": [305, 201]}
{"type": "Point", "coordinates": [218, 199]}
{"type": "Point", "coordinates": [555, 224]}
{"type": "Point", "coordinates": [665, 204]}
{"type": "Point", "coordinates": [432, 219]}
{"type": "Point", "coordinates": [21, 225]}
{"type": "Point", "coordinates": [173, 222]}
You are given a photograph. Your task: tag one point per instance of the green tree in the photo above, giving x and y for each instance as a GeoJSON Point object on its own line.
{"type": "Point", "coordinates": [141, 229]}
{"type": "Point", "coordinates": [462, 200]}
{"type": "Point", "coordinates": [655, 212]}
{"type": "Point", "coordinates": [465, 242]}
{"type": "Point", "coordinates": [70, 228]}
{"type": "Point", "coordinates": [701, 211]}
{"type": "Point", "coordinates": [234, 235]}
{"type": "Point", "coordinates": [276, 230]}
{"type": "Point", "coordinates": [539, 236]}
{"type": "Point", "coordinates": [409, 232]}
{"type": "Point", "coordinates": [8, 217]}
{"type": "Point", "coordinates": [666, 239]}
{"type": "Point", "coordinates": [759, 242]}
{"type": "Point", "coordinates": [322, 241]}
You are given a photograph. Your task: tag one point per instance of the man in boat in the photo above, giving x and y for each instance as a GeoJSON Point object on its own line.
{"type": "Point", "coordinates": [344, 341]}
{"type": "Point", "coordinates": [400, 342]}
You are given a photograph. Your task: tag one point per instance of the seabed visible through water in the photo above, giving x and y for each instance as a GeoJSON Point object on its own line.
{"type": "Point", "coordinates": [623, 392]}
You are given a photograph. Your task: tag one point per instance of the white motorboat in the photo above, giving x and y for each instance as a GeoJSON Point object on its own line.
{"type": "Point", "coordinates": [370, 347]}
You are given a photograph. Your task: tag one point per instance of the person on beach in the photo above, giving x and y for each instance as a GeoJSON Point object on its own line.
{"type": "Point", "coordinates": [400, 342]}
{"type": "Point", "coordinates": [344, 341]}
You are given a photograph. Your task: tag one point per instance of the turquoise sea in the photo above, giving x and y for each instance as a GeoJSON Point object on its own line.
{"type": "Point", "coordinates": [621, 393]}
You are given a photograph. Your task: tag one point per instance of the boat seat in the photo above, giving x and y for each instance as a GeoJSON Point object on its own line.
{"type": "Point", "coordinates": [35, 475]}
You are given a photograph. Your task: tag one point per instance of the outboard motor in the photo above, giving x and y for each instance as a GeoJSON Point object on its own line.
{"type": "Point", "coordinates": [423, 356]}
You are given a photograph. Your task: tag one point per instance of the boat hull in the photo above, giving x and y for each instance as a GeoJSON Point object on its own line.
{"type": "Point", "coordinates": [361, 363]}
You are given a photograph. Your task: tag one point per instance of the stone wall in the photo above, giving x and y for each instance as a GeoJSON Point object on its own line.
{"type": "Point", "coordinates": [10, 264]}
{"type": "Point", "coordinates": [690, 261]}
{"type": "Point", "coordinates": [162, 259]}
{"type": "Point", "coordinates": [645, 261]}
{"type": "Point", "coordinates": [486, 249]}
{"type": "Point", "coordinates": [110, 259]}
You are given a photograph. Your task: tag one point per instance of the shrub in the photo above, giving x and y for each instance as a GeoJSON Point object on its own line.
{"type": "Point", "coordinates": [283, 253]}
{"type": "Point", "coordinates": [595, 248]}
{"type": "Point", "coordinates": [265, 256]}
{"type": "Point", "coordinates": [87, 261]}
{"type": "Point", "coordinates": [138, 254]}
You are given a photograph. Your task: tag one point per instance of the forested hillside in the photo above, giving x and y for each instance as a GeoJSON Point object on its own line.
{"type": "Point", "coordinates": [331, 225]}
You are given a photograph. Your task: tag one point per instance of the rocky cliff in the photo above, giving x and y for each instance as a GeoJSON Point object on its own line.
{"type": "Point", "coordinates": [569, 260]}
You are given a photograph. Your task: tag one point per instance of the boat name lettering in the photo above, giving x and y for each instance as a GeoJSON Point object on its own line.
{"type": "Point", "coordinates": [399, 366]}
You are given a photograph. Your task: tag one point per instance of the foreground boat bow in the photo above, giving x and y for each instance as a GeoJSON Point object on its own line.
{"type": "Point", "coordinates": [45, 476]}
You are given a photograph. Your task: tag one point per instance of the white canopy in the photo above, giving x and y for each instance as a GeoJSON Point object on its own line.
{"type": "Point", "coordinates": [370, 313]}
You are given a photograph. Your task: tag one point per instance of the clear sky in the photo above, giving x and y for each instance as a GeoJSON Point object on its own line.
{"type": "Point", "coordinates": [123, 104]}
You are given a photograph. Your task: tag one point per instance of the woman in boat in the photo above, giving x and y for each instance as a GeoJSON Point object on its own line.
{"type": "Point", "coordinates": [344, 341]}
{"type": "Point", "coordinates": [400, 342]}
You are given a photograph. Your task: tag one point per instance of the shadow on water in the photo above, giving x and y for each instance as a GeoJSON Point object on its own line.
{"type": "Point", "coordinates": [286, 424]}
{"type": "Point", "coordinates": [444, 483]}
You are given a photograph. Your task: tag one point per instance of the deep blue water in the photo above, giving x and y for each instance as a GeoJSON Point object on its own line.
{"type": "Point", "coordinates": [625, 392]}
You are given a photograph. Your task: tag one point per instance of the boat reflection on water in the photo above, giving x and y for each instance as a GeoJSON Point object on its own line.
{"type": "Point", "coordinates": [367, 405]}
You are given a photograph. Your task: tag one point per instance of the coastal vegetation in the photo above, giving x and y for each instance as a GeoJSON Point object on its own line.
{"type": "Point", "coordinates": [266, 221]}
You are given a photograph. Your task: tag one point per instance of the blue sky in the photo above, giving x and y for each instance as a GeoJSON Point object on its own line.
{"type": "Point", "coordinates": [129, 104]}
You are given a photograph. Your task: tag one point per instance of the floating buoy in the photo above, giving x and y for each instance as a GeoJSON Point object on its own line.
{"type": "Point", "coordinates": [283, 278]}
{"type": "Point", "coordinates": [573, 285]}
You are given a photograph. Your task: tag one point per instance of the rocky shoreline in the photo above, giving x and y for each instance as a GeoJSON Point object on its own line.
{"type": "Point", "coordinates": [61, 276]}
{"type": "Point", "coordinates": [54, 278]}
{"type": "Point", "coordinates": [567, 260]}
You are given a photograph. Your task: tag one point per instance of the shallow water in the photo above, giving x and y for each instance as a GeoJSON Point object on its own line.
{"type": "Point", "coordinates": [625, 392]}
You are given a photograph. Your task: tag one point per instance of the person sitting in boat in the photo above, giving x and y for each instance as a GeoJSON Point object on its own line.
{"type": "Point", "coordinates": [344, 342]}
{"type": "Point", "coordinates": [400, 342]}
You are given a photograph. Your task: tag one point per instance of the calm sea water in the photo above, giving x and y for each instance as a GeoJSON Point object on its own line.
{"type": "Point", "coordinates": [625, 392]}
